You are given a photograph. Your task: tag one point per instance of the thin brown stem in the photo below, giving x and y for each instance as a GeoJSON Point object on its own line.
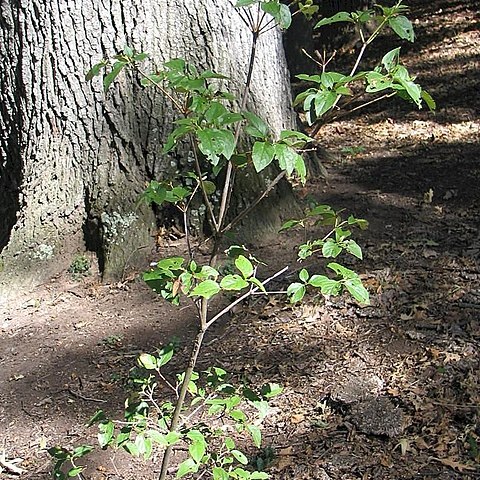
{"type": "Point", "coordinates": [243, 103]}
{"type": "Point", "coordinates": [255, 202]}
{"type": "Point", "coordinates": [240, 299]}
{"type": "Point", "coordinates": [177, 104]}
{"type": "Point", "coordinates": [181, 400]}
{"type": "Point", "coordinates": [363, 105]}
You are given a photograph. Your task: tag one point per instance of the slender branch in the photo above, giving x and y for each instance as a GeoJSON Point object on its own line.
{"type": "Point", "coordinates": [321, 65]}
{"type": "Point", "coordinates": [228, 176]}
{"type": "Point", "coordinates": [363, 105]}
{"type": "Point", "coordinates": [273, 292]}
{"type": "Point", "coordinates": [243, 297]}
{"type": "Point", "coordinates": [177, 104]}
{"type": "Point", "coordinates": [169, 384]}
{"type": "Point", "coordinates": [247, 210]}
{"type": "Point", "coordinates": [181, 400]}
{"type": "Point", "coordinates": [359, 58]}
{"type": "Point", "coordinates": [246, 21]}
{"type": "Point", "coordinates": [187, 234]}
{"type": "Point", "coordinates": [196, 410]}
{"type": "Point", "coordinates": [351, 74]}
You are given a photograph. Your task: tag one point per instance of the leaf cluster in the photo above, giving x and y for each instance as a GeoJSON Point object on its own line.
{"type": "Point", "coordinates": [331, 245]}
{"type": "Point", "coordinates": [391, 76]}
{"type": "Point", "coordinates": [212, 397]}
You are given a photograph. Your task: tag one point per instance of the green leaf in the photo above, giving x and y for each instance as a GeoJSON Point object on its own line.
{"type": "Point", "coordinates": [155, 193]}
{"type": "Point", "coordinates": [131, 448]}
{"type": "Point", "coordinates": [58, 453]}
{"type": "Point", "coordinates": [238, 415]}
{"type": "Point", "coordinates": [73, 472]}
{"type": "Point", "coordinates": [105, 434]}
{"type": "Point", "coordinates": [259, 476]}
{"type": "Point", "coordinates": [339, 17]}
{"type": "Point", "coordinates": [151, 79]}
{"type": "Point", "coordinates": [215, 111]}
{"type": "Point", "coordinates": [290, 224]}
{"type": "Point", "coordinates": [293, 134]}
{"type": "Point", "coordinates": [177, 194]}
{"type": "Point", "coordinates": [271, 390]}
{"type": "Point", "coordinates": [403, 27]}
{"type": "Point", "coordinates": [428, 99]}
{"type": "Point", "coordinates": [414, 91]}
{"type": "Point", "coordinates": [351, 246]}
{"type": "Point", "coordinates": [309, 78]}
{"type": "Point", "coordinates": [112, 75]}
{"type": "Point", "coordinates": [220, 473]}
{"type": "Point", "coordinates": [327, 285]}
{"type": "Point", "coordinates": [262, 155]}
{"type": "Point", "coordinates": [357, 290]}
{"type": "Point", "coordinates": [141, 445]}
{"type": "Point", "coordinates": [140, 57]}
{"type": "Point", "coordinates": [171, 263]}
{"type": "Point", "coordinates": [256, 127]}
{"type": "Point", "coordinates": [206, 289]}
{"type": "Point", "coordinates": [377, 82]}
{"type": "Point", "coordinates": [262, 408]}
{"type": "Point", "coordinates": [210, 74]}
{"type": "Point", "coordinates": [123, 436]}
{"type": "Point", "coordinates": [157, 437]}
{"type": "Point", "coordinates": [214, 142]}
{"type": "Point", "coordinates": [165, 355]}
{"type": "Point", "coordinates": [390, 59]}
{"type": "Point", "coordinates": [256, 434]}
{"type": "Point", "coordinates": [147, 361]}
{"type": "Point", "coordinates": [128, 51]}
{"type": "Point", "coordinates": [229, 443]}
{"type": "Point", "coordinates": [98, 416]}
{"type": "Point", "coordinates": [286, 156]}
{"type": "Point", "coordinates": [303, 275]}
{"type": "Point", "coordinates": [95, 70]}
{"type": "Point", "coordinates": [344, 272]}
{"type": "Point", "coordinates": [324, 101]}
{"type": "Point", "coordinates": [296, 292]}
{"type": "Point", "coordinates": [81, 451]}
{"type": "Point", "coordinates": [331, 249]}
{"type": "Point", "coordinates": [240, 457]}
{"type": "Point", "coordinates": [209, 187]}
{"type": "Point", "coordinates": [255, 281]}
{"type": "Point", "coordinates": [280, 12]}
{"type": "Point", "coordinates": [233, 282]}
{"type": "Point", "coordinates": [284, 17]}
{"type": "Point", "coordinates": [198, 447]}
{"type": "Point", "coordinates": [177, 134]}
{"type": "Point", "coordinates": [245, 3]}
{"type": "Point", "coordinates": [172, 438]}
{"type": "Point", "coordinates": [342, 90]}
{"type": "Point", "coordinates": [244, 265]}
{"type": "Point", "coordinates": [240, 473]}
{"type": "Point", "coordinates": [187, 466]}
{"type": "Point", "coordinates": [301, 168]}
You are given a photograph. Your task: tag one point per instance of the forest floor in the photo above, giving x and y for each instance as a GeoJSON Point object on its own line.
{"type": "Point", "coordinates": [389, 391]}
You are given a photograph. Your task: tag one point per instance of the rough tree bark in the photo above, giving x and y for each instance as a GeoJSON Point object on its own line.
{"type": "Point", "coordinates": [72, 162]}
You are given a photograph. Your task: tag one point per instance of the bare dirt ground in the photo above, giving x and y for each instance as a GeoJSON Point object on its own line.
{"type": "Point", "coordinates": [390, 391]}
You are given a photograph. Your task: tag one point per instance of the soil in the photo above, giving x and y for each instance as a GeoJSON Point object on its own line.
{"type": "Point", "coordinates": [389, 391]}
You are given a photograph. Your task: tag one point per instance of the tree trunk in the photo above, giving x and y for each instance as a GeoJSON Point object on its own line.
{"type": "Point", "coordinates": [72, 160]}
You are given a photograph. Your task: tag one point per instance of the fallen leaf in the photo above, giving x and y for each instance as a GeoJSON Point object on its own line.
{"type": "Point", "coordinates": [450, 462]}
{"type": "Point", "coordinates": [285, 458]}
{"type": "Point", "coordinates": [297, 418]}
